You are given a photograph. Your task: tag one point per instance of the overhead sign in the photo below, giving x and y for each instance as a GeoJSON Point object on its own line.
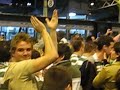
{"type": "Point", "coordinates": [50, 3]}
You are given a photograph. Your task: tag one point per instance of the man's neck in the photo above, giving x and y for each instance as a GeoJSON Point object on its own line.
{"type": "Point", "coordinates": [87, 54]}
{"type": "Point", "coordinates": [100, 55]}
{"type": "Point", "coordinates": [78, 53]}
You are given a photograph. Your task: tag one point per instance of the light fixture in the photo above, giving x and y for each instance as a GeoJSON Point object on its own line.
{"type": "Point", "coordinates": [72, 14]}
{"type": "Point", "coordinates": [92, 3]}
{"type": "Point", "coordinates": [28, 4]}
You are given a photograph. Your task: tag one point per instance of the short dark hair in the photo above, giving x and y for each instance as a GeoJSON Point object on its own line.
{"type": "Point", "coordinates": [4, 51]}
{"type": "Point", "coordinates": [90, 46]}
{"type": "Point", "coordinates": [56, 78]}
{"type": "Point", "coordinates": [88, 38]}
{"type": "Point", "coordinates": [104, 40]}
{"type": "Point", "coordinates": [60, 35]}
{"type": "Point", "coordinates": [77, 43]}
{"type": "Point", "coordinates": [117, 49]}
{"type": "Point", "coordinates": [64, 50]}
{"type": "Point", "coordinates": [35, 54]}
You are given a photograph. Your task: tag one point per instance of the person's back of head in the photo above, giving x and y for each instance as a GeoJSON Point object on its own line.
{"type": "Point", "coordinates": [64, 51]}
{"type": "Point", "coordinates": [57, 78]}
{"type": "Point", "coordinates": [60, 35]}
{"type": "Point", "coordinates": [75, 36]}
{"type": "Point", "coordinates": [104, 40]}
{"type": "Point", "coordinates": [89, 39]}
{"type": "Point", "coordinates": [4, 51]}
{"type": "Point", "coordinates": [90, 47]}
{"type": "Point", "coordinates": [77, 44]}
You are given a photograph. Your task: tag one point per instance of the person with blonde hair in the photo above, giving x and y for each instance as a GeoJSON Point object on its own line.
{"type": "Point", "coordinates": [21, 69]}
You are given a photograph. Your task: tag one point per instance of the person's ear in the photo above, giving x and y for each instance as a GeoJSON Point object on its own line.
{"type": "Point", "coordinates": [62, 57]}
{"type": "Point", "coordinates": [118, 54]}
{"type": "Point", "coordinates": [69, 87]}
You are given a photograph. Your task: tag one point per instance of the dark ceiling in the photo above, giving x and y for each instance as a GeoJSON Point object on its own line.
{"type": "Point", "coordinates": [99, 12]}
{"type": "Point", "coordinates": [102, 10]}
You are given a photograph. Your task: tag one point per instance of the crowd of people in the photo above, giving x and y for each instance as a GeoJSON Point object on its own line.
{"type": "Point", "coordinates": [54, 63]}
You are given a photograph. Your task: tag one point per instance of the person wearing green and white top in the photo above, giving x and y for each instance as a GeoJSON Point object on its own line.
{"type": "Point", "coordinates": [78, 46]}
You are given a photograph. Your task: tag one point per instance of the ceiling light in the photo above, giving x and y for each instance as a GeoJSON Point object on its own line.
{"type": "Point", "coordinates": [28, 4]}
{"type": "Point", "coordinates": [92, 3]}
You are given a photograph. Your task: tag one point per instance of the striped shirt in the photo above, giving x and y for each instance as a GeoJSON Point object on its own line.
{"type": "Point", "coordinates": [76, 60]}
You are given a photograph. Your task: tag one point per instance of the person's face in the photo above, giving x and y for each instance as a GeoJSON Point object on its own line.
{"type": "Point", "coordinates": [109, 48]}
{"type": "Point", "coordinates": [113, 55]}
{"type": "Point", "coordinates": [23, 51]}
{"type": "Point", "coordinates": [93, 38]}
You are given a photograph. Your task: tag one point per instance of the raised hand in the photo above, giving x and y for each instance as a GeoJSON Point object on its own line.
{"type": "Point", "coordinates": [37, 24]}
{"type": "Point", "coordinates": [52, 24]}
{"type": "Point", "coordinates": [109, 32]}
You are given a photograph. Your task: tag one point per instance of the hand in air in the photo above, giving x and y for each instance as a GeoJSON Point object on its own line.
{"type": "Point", "coordinates": [52, 24]}
{"type": "Point", "coordinates": [37, 24]}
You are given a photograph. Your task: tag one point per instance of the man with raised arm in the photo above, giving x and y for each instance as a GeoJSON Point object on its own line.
{"type": "Point", "coordinates": [20, 73]}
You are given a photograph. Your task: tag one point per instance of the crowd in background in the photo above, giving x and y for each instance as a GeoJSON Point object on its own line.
{"type": "Point", "coordinates": [54, 63]}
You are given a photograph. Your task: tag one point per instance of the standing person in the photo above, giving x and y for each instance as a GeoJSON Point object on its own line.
{"type": "Point", "coordinates": [78, 46]}
{"type": "Point", "coordinates": [90, 38]}
{"type": "Point", "coordinates": [104, 46]}
{"type": "Point", "coordinates": [89, 50]}
{"type": "Point", "coordinates": [20, 73]}
{"type": "Point", "coordinates": [64, 52]}
{"type": "Point", "coordinates": [57, 78]}
{"type": "Point", "coordinates": [107, 76]}
{"type": "Point", "coordinates": [88, 68]}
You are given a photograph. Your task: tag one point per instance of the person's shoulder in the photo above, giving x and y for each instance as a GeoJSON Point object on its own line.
{"type": "Point", "coordinates": [63, 62]}
{"type": "Point", "coordinates": [113, 64]}
{"type": "Point", "coordinates": [83, 59]}
{"type": "Point", "coordinates": [73, 69]}
{"type": "Point", "coordinates": [108, 65]}
{"type": "Point", "coordinates": [74, 55]}
{"type": "Point", "coordinates": [22, 64]}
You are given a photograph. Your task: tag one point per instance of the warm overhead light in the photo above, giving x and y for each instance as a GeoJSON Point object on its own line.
{"type": "Point", "coordinates": [72, 14]}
